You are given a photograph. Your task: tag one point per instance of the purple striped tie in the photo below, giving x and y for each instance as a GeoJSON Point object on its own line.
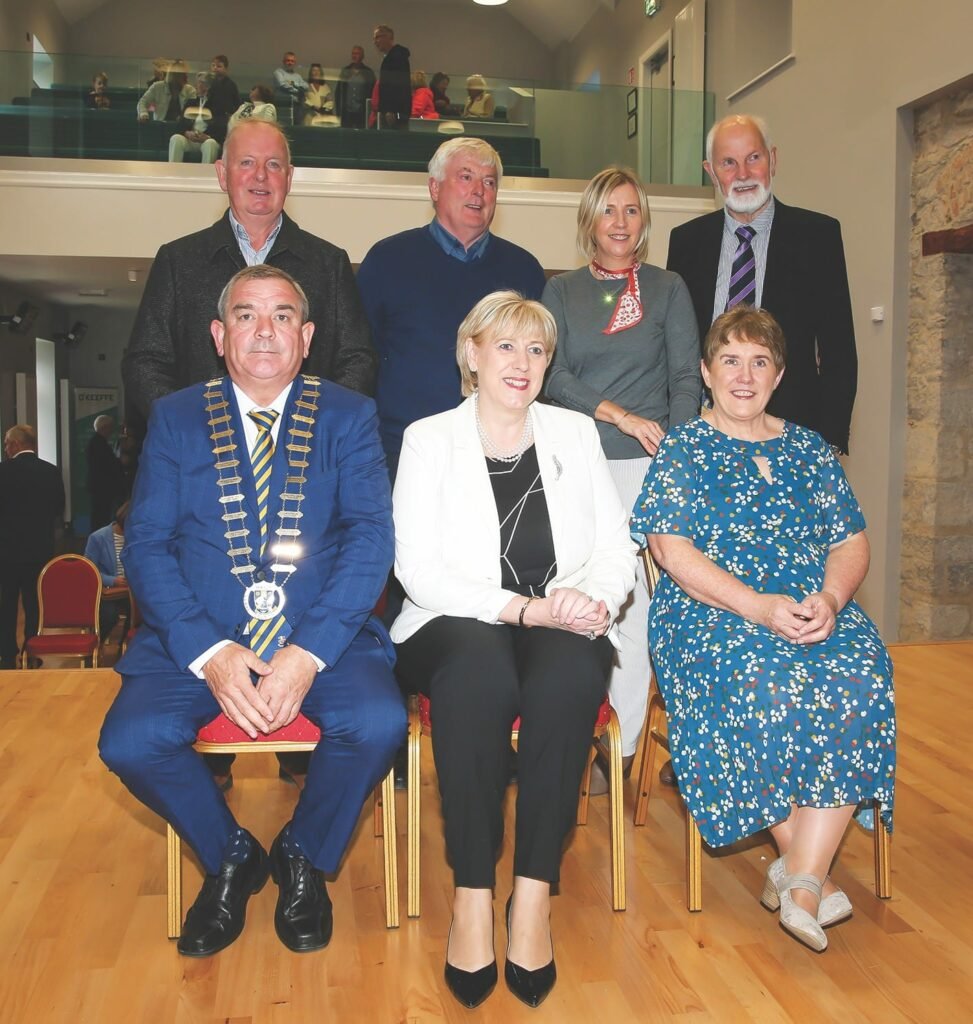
{"type": "Point", "coordinates": [743, 275]}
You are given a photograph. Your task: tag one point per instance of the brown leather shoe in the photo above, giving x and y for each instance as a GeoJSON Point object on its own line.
{"type": "Point", "coordinates": [667, 774]}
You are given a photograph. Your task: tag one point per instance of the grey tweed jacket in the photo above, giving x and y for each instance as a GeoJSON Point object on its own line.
{"type": "Point", "coordinates": [171, 346]}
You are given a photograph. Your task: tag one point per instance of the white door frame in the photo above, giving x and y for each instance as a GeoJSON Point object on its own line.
{"type": "Point", "coordinates": [664, 41]}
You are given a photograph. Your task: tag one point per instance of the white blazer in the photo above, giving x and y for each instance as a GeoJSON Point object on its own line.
{"type": "Point", "coordinates": [447, 532]}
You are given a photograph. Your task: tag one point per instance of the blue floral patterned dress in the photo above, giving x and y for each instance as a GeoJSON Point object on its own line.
{"type": "Point", "coordinates": [757, 722]}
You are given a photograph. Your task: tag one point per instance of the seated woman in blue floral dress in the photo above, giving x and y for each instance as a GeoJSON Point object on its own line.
{"type": "Point", "coordinates": [777, 686]}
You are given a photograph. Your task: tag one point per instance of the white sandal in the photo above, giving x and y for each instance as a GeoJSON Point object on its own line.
{"type": "Point", "coordinates": [794, 919]}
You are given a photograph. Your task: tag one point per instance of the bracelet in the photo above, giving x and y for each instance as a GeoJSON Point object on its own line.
{"type": "Point", "coordinates": [523, 611]}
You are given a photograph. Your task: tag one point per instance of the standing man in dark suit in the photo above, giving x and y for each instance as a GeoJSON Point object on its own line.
{"type": "Point", "coordinates": [31, 506]}
{"type": "Point", "coordinates": [170, 345]}
{"type": "Point", "coordinates": [788, 261]}
{"type": "Point", "coordinates": [394, 80]}
{"type": "Point", "coordinates": [106, 479]}
{"type": "Point", "coordinates": [258, 540]}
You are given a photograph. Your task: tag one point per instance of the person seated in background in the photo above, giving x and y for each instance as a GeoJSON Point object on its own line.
{"type": "Point", "coordinates": [422, 103]}
{"type": "Point", "coordinates": [164, 101]}
{"type": "Point", "coordinates": [258, 107]}
{"type": "Point", "coordinates": [778, 688]}
{"type": "Point", "coordinates": [479, 103]}
{"type": "Point", "coordinates": [354, 89]}
{"type": "Point", "coordinates": [195, 132]}
{"type": "Point", "coordinates": [97, 98]}
{"type": "Point", "coordinates": [513, 549]}
{"type": "Point", "coordinates": [439, 83]}
{"type": "Point", "coordinates": [289, 89]}
{"type": "Point", "coordinates": [104, 548]}
{"type": "Point", "coordinates": [159, 68]}
{"type": "Point", "coordinates": [318, 99]}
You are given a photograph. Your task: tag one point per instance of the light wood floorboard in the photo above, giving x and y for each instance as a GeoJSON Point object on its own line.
{"type": "Point", "coordinates": [82, 897]}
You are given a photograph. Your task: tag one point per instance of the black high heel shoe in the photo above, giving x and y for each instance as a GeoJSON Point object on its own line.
{"type": "Point", "coordinates": [530, 987]}
{"type": "Point", "coordinates": [469, 987]}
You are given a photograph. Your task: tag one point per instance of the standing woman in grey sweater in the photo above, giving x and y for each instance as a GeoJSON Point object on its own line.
{"type": "Point", "coordinates": [627, 355]}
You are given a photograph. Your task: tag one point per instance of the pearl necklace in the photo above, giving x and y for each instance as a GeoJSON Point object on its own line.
{"type": "Point", "coordinates": [492, 450]}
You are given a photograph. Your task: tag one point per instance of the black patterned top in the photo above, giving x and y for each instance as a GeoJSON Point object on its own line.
{"type": "Point", "coordinates": [527, 559]}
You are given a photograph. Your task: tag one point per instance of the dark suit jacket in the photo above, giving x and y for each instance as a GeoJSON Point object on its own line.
{"type": "Point", "coordinates": [394, 85]}
{"type": "Point", "coordinates": [806, 289]}
{"type": "Point", "coordinates": [31, 506]}
{"type": "Point", "coordinates": [105, 477]}
{"type": "Point", "coordinates": [175, 550]}
{"type": "Point", "coordinates": [171, 346]}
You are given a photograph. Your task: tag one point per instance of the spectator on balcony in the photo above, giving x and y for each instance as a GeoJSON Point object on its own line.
{"type": "Point", "coordinates": [223, 96]}
{"type": "Point", "coordinates": [258, 107]}
{"type": "Point", "coordinates": [98, 98]}
{"type": "Point", "coordinates": [354, 88]}
{"type": "Point", "coordinates": [289, 89]}
{"type": "Point", "coordinates": [394, 89]}
{"type": "Point", "coordinates": [164, 100]}
{"type": "Point", "coordinates": [197, 130]}
{"type": "Point", "coordinates": [318, 99]}
{"type": "Point", "coordinates": [439, 84]}
{"type": "Point", "coordinates": [422, 101]}
{"type": "Point", "coordinates": [479, 103]}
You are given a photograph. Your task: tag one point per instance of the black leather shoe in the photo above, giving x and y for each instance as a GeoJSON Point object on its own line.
{"type": "Point", "coordinates": [469, 987]}
{"type": "Point", "coordinates": [667, 774]}
{"type": "Point", "coordinates": [303, 918]}
{"type": "Point", "coordinates": [530, 987]}
{"type": "Point", "coordinates": [220, 911]}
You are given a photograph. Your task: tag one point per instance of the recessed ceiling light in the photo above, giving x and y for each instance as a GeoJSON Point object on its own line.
{"type": "Point", "coordinates": [93, 292]}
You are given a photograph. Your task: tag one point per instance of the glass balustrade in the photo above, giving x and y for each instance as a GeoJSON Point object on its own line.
{"type": "Point", "coordinates": [47, 110]}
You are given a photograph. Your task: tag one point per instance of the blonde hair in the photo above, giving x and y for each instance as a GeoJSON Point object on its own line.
{"type": "Point", "coordinates": [418, 79]}
{"type": "Point", "coordinates": [505, 313]}
{"type": "Point", "coordinates": [593, 202]}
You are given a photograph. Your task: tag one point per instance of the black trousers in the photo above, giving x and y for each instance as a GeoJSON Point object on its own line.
{"type": "Point", "coordinates": [479, 678]}
{"type": "Point", "coordinates": [17, 580]}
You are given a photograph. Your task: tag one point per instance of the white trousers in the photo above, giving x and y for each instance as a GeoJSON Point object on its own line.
{"type": "Point", "coordinates": [628, 685]}
{"type": "Point", "coordinates": [179, 146]}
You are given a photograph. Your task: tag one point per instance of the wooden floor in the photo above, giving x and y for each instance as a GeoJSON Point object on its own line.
{"type": "Point", "coordinates": [82, 905]}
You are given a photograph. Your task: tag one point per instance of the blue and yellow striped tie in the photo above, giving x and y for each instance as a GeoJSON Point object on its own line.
{"type": "Point", "coordinates": [262, 461]}
{"type": "Point", "coordinates": [262, 632]}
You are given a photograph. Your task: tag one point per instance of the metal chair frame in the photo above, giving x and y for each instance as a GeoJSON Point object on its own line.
{"type": "Point", "coordinates": [67, 631]}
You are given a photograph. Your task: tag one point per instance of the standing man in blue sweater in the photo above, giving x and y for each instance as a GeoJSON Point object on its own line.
{"type": "Point", "coordinates": [418, 285]}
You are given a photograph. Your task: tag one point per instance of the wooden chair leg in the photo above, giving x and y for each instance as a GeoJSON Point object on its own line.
{"type": "Point", "coordinates": [694, 865]}
{"type": "Point", "coordinates": [412, 823]}
{"type": "Point", "coordinates": [173, 883]}
{"type": "Point", "coordinates": [391, 858]}
{"type": "Point", "coordinates": [582, 818]}
{"type": "Point", "coordinates": [617, 810]}
{"type": "Point", "coordinates": [883, 857]}
{"type": "Point", "coordinates": [654, 720]}
{"type": "Point", "coordinates": [378, 813]}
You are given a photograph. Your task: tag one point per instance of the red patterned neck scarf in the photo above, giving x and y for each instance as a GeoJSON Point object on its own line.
{"type": "Point", "coordinates": [628, 309]}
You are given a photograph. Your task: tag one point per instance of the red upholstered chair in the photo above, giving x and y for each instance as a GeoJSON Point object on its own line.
{"type": "Point", "coordinates": [606, 726]}
{"type": "Point", "coordinates": [69, 594]}
{"type": "Point", "coordinates": [134, 620]}
{"type": "Point", "coordinates": [221, 736]}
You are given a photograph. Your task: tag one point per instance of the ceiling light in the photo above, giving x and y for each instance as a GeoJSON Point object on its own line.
{"type": "Point", "coordinates": [133, 276]}
{"type": "Point", "coordinates": [489, 3]}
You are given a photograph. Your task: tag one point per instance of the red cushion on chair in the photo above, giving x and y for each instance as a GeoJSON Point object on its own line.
{"type": "Point", "coordinates": [81, 645]}
{"type": "Point", "coordinates": [222, 730]}
{"type": "Point", "coordinates": [604, 714]}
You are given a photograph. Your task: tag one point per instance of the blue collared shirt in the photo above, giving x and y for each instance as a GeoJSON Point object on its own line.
{"type": "Point", "coordinates": [250, 255]}
{"type": "Point", "coordinates": [761, 224]}
{"type": "Point", "coordinates": [452, 246]}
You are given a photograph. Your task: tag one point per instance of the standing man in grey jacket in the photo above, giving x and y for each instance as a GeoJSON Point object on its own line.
{"type": "Point", "coordinates": [170, 346]}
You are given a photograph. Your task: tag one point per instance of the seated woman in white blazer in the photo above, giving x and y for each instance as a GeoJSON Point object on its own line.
{"type": "Point", "coordinates": [513, 550]}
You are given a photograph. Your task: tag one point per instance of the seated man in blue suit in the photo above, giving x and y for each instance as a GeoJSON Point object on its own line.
{"type": "Point", "coordinates": [258, 541]}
